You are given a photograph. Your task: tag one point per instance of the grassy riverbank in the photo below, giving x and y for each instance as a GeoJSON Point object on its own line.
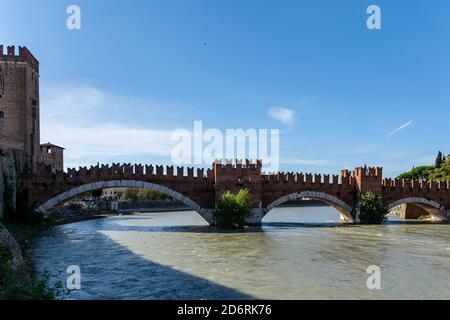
{"type": "Point", "coordinates": [18, 278]}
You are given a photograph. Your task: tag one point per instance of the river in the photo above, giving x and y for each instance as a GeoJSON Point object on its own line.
{"type": "Point", "coordinates": [299, 253]}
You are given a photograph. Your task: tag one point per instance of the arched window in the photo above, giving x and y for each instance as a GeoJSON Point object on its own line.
{"type": "Point", "coordinates": [2, 114]}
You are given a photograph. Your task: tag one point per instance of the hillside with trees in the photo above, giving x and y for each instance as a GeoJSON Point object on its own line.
{"type": "Point", "coordinates": [439, 171]}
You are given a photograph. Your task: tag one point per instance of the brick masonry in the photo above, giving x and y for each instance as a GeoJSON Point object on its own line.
{"type": "Point", "coordinates": [40, 167]}
{"type": "Point", "coordinates": [200, 189]}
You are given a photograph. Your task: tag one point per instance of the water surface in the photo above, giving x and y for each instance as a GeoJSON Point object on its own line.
{"type": "Point", "coordinates": [175, 255]}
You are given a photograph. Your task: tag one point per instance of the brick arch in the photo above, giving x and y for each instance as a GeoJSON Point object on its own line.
{"type": "Point", "coordinates": [436, 210]}
{"type": "Point", "coordinates": [47, 207]}
{"type": "Point", "coordinates": [344, 209]}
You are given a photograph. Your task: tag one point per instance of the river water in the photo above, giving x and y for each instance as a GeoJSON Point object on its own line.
{"type": "Point", "coordinates": [299, 253]}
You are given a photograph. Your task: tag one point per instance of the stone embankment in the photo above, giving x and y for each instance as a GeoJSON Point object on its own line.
{"type": "Point", "coordinates": [7, 240]}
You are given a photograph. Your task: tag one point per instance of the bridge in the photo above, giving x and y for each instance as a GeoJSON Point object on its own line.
{"type": "Point", "coordinates": [200, 189]}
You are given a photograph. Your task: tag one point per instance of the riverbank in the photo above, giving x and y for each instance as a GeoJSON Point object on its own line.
{"type": "Point", "coordinates": [18, 278]}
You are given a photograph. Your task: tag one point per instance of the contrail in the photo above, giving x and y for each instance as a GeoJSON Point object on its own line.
{"type": "Point", "coordinates": [400, 128]}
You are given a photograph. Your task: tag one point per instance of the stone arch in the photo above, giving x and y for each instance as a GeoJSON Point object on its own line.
{"type": "Point", "coordinates": [344, 209]}
{"type": "Point", "coordinates": [47, 207]}
{"type": "Point", "coordinates": [437, 211]}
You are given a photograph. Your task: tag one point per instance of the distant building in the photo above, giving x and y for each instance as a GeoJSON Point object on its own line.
{"type": "Point", "coordinates": [52, 155]}
{"type": "Point", "coordinates": [114, 194]}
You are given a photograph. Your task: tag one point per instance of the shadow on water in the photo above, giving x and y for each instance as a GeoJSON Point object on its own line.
{"type": "Point", "coordinates": [112, 271]}
{"type": "Point", "coordinates": [286, 225]}
{"type": "Point", "coordinates": [256, 229]}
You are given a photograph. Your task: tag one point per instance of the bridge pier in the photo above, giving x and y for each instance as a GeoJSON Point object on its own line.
{"type": "Point", "coordinates": [254, 219]}
{"type": "Point", "coordinates": [208, 215]}
{"type": "Point", "coordinates": [344, 218]}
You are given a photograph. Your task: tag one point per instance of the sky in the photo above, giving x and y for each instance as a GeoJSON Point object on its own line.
{"type": "Point", "coordinates": [341, 95]}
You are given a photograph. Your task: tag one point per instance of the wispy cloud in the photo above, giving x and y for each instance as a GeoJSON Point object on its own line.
{"type": "Point", "coordinates": [284, 115]}
{"type": "Point", "coordinates": [73, 117]}
{"type": "Point", "coordinates": [400, 128]}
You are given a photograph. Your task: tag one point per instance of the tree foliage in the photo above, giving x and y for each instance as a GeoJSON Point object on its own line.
{"type": "Point", "coordinates": [440, 171]}
{"type": "Point", "coordinates": [17, 283]}
{"type": "Point", "coordinates": [371, 209]}
{"type": "Point", "coordinates": [439, 159]}
{"type": "Point", "coordinates": [133, 194]}
{"type": "Point", "coordinates": [443, 172]}
{"type": "Point", "coordinates": [419, 173]}
{"type": "Point", "coordinates": [233, 208]}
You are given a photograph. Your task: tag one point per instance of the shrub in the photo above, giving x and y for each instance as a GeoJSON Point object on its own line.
{"type": "Point", "coordinates": [16, 283]}
{"type": "Point", "coordinates": [371, 209]}
{"type": "Point", "coordinates": [233, 208]}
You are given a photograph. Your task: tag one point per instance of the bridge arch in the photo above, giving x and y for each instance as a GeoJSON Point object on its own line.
{"type": "Point", "coordinates": [344, 209]}
{"type": "Point", "coordinates": [437, 211]}
{"type": "Point", "coordinates": [48, 206]}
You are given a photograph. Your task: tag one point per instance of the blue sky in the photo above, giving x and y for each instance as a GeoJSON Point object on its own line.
{"type": "Point", "coordinates": [114, 90]}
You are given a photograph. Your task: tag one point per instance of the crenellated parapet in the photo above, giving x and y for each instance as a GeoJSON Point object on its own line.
{"type": "Point", "coordinates": [306, 178]}
{"type": "Point", "coordinates": [202, 188]}
{"type": "Point", "coordinates": [368, 179]}
{"type": "Point", "coordinates": [415, 184]}
{"type": "Point", "coordinates": [136, 171]}
{"type": "Point", "coordinates": [23, 55]}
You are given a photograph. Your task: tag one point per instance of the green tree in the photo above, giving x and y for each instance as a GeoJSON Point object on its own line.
{"type": "Point", "coordinates": [439, 159]}
{"type": "Point", "coordinates": [145, 195]}
{"type": "Point", "coordinates": [419, 173]}
{"type": "Point", "coordinates": [148, 195]}
{"type": "Point", "coordinates": [97, 194]}
{"type": "Point", "coordinates": [233, 208]}
{"type": "Point", "coordinates": [371, 209]}
{"type": "Point", "coordinates": [443, 172]}
{"type": "Point", "coordinates": [131, 194]}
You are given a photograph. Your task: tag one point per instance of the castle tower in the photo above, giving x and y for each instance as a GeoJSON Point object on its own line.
{"type": "Point", "coordinates": [234, 177]}
{"type": "Point", "coordinates": [19, 103]}
{"type": "Point", "coordinates": [52, 155]}
{"type": "Point", "coordinates": [369, 179]}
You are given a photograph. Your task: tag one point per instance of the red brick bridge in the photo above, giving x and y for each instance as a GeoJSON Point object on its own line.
{"type": "Point", "coordinates": [199, 189]}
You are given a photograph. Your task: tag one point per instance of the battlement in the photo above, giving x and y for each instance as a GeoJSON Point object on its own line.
{"type": "Point", "coordinates": [307, 178]}
{"type": "Point", "coordinates": [238, 164]}
{"type": "Point", "coordinates": [368, 172]}
{"type": "Point", "coordinates": [23, 54]}
{"type": "Point", "coordinates": [415, 184]}
{"type": "Point", "coordinates": [128, 171]}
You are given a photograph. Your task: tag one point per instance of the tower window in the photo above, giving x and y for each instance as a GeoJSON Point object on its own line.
{"type": "Point", "coordinates": [2, 115]}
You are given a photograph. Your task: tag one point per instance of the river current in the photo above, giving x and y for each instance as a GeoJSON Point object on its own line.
{"type": "Point", "coordinates": [299, 253]}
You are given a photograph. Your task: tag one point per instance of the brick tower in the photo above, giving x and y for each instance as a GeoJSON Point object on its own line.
{"type": "Point", "coordinates": [369, 179]}
{"type": "Point", "coordinates": [19, 103]}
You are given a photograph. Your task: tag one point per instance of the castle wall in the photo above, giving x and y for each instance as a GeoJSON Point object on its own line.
{"type": "Point", "coordinates": [19, 103]}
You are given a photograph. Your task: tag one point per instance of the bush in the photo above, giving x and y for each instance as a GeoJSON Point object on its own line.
{"type": "Point", "coordinates": [18, 284]}
{"type": "Point", "coordinates": [371, 209]}
{"type": "Point", "coordinates": [233, 208]}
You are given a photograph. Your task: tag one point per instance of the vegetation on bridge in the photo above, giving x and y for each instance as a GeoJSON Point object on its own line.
{"type": "Point", "coordinates": [440, 171]}
{"type": "Point", "coordinates": [371, 209]}
{"type": "Point", "coordinates": [232, 209]}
